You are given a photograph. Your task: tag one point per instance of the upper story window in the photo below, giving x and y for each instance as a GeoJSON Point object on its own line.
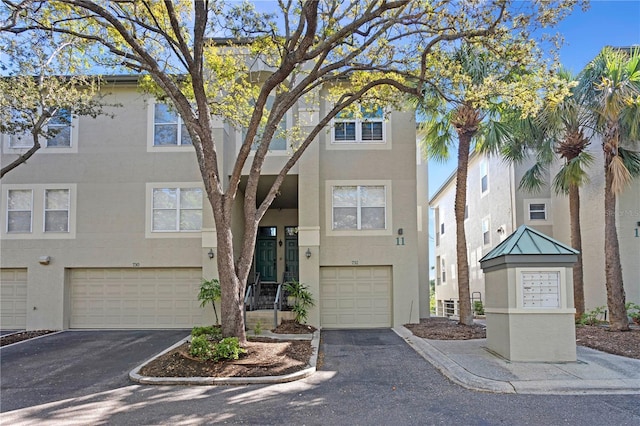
{"type": "Point", "coordinates": [359, 207]}
{"type": "Point", "coordinates": [367, 129]}
{"type": "Point", "coordinates": [56, 210]}
{"type": "Point", "coordinates": [19, 210]}
{"type": "Point", "coordinates": [168, 128]}
{"type": "Point", "coordinates": [62, 125]}
{"type": "Point", "coordinates": [484, 176]}
{"type": "Point", "coordinates": [177, 209]}
{"type": "Point", "coordinates": [537, 211]}
{"type": "Point", "coordinates": [39, 211]}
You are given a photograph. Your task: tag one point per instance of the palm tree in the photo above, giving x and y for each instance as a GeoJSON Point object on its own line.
{"type": "Point", "coordinates": [450, 108]}
{"type": "Point", "coordinates": [611, 83]}
{"type": "Point", "coordinates": [559, 129]}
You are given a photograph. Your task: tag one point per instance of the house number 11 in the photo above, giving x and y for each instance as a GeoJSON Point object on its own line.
{"type": "Point", "coordinates": [399, 241]}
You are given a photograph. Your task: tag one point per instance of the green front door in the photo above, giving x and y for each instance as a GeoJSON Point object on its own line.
{"type": "Point", "coordinates": [291, 253]}
{"type": "Point", "coordinates": [266, 260]}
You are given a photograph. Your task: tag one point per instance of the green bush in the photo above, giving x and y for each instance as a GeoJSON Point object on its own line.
{"type": "Point", "coordinates": [303, 300]}
{"type": "Point", "coordinates": [201, 348]}
{"type": "Point", "coordinates": [593, 317]}
{"type": "Point", "coordinates": [227, 348]}
{"type": "Point", "coordinates": [633, 311]}
{"type": "Point", "coordinates": [478, 308]}
{"type": "Point", "coordinates": [210, 332]}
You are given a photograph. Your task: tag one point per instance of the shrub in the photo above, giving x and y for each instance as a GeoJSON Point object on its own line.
{"type": "Point", "coordinates": [257, 329]}
{"type": "Point", "coordinates": [201, 348]}
{"type": "Point", "coordinates": [227, 348]}
{"type": "Point", "coordinates": [593, 317]}
{"type": "Point", "coordinates": [209, 293]}
{"type": "Point", "coordinates": [303, 300]}
{"type": "Point", "coordinates": [633, 311]}
{"type": "Point", "coordinates": [478, 308]}
{"type": "Point", "coordinates": [210, 332]}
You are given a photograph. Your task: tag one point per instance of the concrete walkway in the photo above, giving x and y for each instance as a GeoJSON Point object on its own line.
{"type": "Point", "coordinates": [469, 364]}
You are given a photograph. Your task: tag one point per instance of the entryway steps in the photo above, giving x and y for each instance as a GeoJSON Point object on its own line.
{"type": "Point", "coordinates": [265, 316]}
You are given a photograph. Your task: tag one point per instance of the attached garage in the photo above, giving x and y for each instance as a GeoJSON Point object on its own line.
{"type": "Point", "coordinates": [137, 298]}
{"type": "Point", "coordinates": [355, 296]}
{"type": "Point", "coordinates": [13, 299]}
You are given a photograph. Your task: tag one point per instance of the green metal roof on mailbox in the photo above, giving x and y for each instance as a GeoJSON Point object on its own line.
{"type": "Point", "coordinates": [528, 241]}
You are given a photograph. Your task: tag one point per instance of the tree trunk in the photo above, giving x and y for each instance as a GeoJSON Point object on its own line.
{"type": "Point", "coordinates": [464, 294]}
{"type": "Point", "coordinates": [576, 243]}
{"type": "Point", "coordinates": [618, 320]}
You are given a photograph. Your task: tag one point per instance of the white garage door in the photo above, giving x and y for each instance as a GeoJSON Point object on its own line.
{"type": "Point", "coordinates": [137, 298]}
{"type": "Point", "coordinates": [355, 297]}
{"type": "Point", "coordinates": [13, 299]}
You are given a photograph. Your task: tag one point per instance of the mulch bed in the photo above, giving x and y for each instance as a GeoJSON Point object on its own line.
{"type": "Point", "coordinates": [437, 328]}
{"type": "Point", "coordinates": [264, 357]}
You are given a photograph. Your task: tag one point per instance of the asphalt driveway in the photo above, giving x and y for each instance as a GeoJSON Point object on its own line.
{"type": "Point", "coordinates": [365, 377]}
{"type": "Point", "coordinates": [75, 363]}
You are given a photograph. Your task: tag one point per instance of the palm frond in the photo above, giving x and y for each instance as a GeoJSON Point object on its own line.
{"type": "Point", "coordinates": [573, 173]}
{"type": "Point", "coordinates": [438, 138]}
{"type": "Point", "coordinates": [533, 179]}
{"type": "Point", "coordinates": [631, 161]}
{"type": "Point", "coordinates": [621, 176]}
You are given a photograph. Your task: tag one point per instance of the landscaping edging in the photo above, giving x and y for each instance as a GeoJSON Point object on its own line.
{"type": "Point", "coordinates": [135, 375]}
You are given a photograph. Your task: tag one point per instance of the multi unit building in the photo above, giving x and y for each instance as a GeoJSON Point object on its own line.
{"type": "Point", "coordinates": [108, 226]}
{"type": "Point", "coordinates": [496, 208]}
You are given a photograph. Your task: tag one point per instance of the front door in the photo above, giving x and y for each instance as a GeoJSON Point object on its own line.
{"type": "Point", "coordinates": [266, 260]}
{"type": "Point", "coordinates": [291, 253]}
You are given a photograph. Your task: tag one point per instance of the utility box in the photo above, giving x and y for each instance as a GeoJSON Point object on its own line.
{"type": "Point", "coordinates": [529, 307]}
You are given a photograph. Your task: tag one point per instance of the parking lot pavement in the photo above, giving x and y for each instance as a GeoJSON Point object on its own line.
{"type": "Point", "coordinates": [75, 363]}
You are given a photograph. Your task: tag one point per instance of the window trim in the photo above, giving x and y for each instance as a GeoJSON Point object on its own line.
{"type": "Point", "coordinates": [484, 164]}
{"type": "Point", "coordinates": [358, 143]}
{"type": "Point", "coordinates": [330, 184]}
{"type": "Point", "coordinates": [488, 231]}
{"type": "Point", "coordinates": [44, 147]}
{"type": "Point", "coordinates": [45, 210]}
{"type": "Point", "coordinates": [37, 215]}
{"type": "Point", "coordinates": [149, 232]}
{"type": "Point", "coordinates": [6, 225]}
{"type": "Point", "coordinates": [548, 220]}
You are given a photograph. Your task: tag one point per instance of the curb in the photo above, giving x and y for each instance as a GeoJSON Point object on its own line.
{"type": "Point", "coordinates": [135, 375]}
{"type": "Point", "coordinates": [463, 377]}
{"type": "Point", "coordinates": [28, 340]}
{"type": "Point", "coordinates": [451, 369]}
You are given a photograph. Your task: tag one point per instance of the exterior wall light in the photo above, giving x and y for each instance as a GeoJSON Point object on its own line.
{"type": "Point", "coordinates": [211, 254]}
{"type": "Point", "coordinates": [308, 253]}
{"type": "Point", "coordinates": [44, 260]}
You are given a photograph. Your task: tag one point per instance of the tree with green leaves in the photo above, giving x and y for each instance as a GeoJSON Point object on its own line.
{"type": "Point", "coordinates": [611, 85]}
{"type": "Point", "coordinates": [35, 94]}
{"type": "Point", "coordinates": [474, 92]}
{"type": "Point", "coordinates": [562, 128]}
{"type": "Point", "coordinates": [250, 68]}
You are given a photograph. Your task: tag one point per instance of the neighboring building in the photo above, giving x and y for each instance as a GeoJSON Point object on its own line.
{"type": "Point", "coordinates": [495, 209]}
{"type": "Point", "coordinates": [108, 226]}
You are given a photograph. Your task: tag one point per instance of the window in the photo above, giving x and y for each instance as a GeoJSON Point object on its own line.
{"type": "Point", "coordinates": [177, 209]}
{"type": "Point", "coordinates": [56, 210]}
{"type": "Point", "coordinates": [38, 211]}
{"type": "Point", "coordinates": [20, 141]}
{"type": "Point", "coordinates": [19, 210]}
{"type": "Point", "coordinates": [368, 129]}
{"type": "Point", "coordinates": [169, 130]}
{"type": "Point", "coordinates": [443, 270]}
{"type": "Point", "coordinates": [442, 228]}
{"type": "Point", "coordinates": [537, 211]}
{"type": "Point", "coordinates": [60, 123]}
{"type": "Point", "coordinates": [484, 176]}
{"type": "Point", "coordinates": [486, 231]}
{"type": "Point", "coordinates": [359, 207]}
{"type": "Point", "coordinates": [466, 211]}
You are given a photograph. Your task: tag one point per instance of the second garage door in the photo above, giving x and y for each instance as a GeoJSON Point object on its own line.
{"type": "Point", "coordinates": [355, 297]}
{"type": "Point", "coordinates": [137, 298]}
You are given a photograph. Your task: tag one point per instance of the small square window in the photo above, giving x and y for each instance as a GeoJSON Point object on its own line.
{"type": "Point", "coordinates": [486, 232]}
{"type": "Point", "coordinates": [538, 211]}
